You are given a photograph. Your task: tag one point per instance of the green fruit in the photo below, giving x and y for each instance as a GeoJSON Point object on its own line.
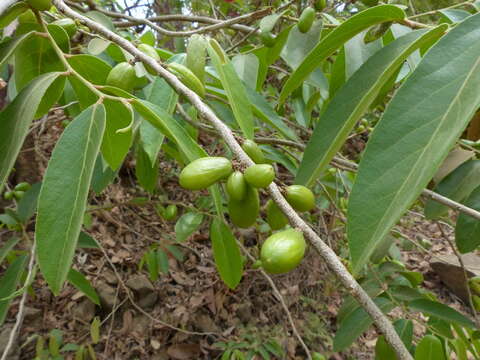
{"type": "Point", "coordinates": [150, 51]}
{"type": "Point", "coordinates": [23, 186]}
{"type": "Point", "coordinates": [275, 217]}
{"type": "Point", "coordinates": [236, 186]}
{"type": "Point", "coordinates": [27, 17]}
{"type": "Point", "coordinates": [8, 195]}
{"type": "Point", "coordinates": [204, 172]}
{"type": "Point", "coordinates": [254, 151]}
{"type": "Point", "coordinates": [306, 19]}
{"type": "Point", "coordinates": [474, 284]}
{"type": "Point", "coordinates": [68, 25]}
{"type": "Point", "coordinates": [283, 251]}
{"type": "Point", "coordinates": [170, 212]}
{"type": "Point", "coordinates": [260, 175]}
{"type": "Point", "coordinates": [267, 39]}
{"type": "Point", "coordinates": [18, 194]}
{"type": "Point", "coordinates": [320, 5]}
{"type": "Point", "coordinates": [41, 5]}
{"type": "Point", "coordinates": [188, 78]}
{"type": "Point", "coordinates": [300, 197]}
{"type": "Point", "coordinates": [244, 213]}
{"type": "Point", "coordinates": [122, 76]}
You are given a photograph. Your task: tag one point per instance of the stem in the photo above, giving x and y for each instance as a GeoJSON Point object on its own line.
{"type": "Point", "coordinates": [325, 252]}
{"type": "Point", "coordinates": [433, 12]}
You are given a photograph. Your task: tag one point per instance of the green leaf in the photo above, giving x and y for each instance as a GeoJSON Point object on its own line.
{"type": "Point", "coordinates": [85, 241]}
{"type": "Point", "coordinates": [115, 145]}
{"type": "Point", "coordinates": [187, 224]}
{"type": "Point", "coordinates": [246, 66]}
{"type": "Point", "coordinates": [92, 68]}
{"type": "Point", "coordinates": [168, 126]}
{"type": "Point", "coordinates": [418, 129]}
{"type": "Point", "coordinates": [27, 205]}
{"type": "Point", "coordinates": [444, 312]}
{"type": "Point", "coordinates": [162, 260]}
{"type": "Point", "coordinates": [429, 348]}
{"type": "Point", "coordinates": [7, 48]}
{"type": "Point", "coordinates": [452, 16]}
{"type": "Point", "coordinates": [353, 100]}
{"type": "Point", "coordinates": [8, 284]}
{"type": "Point", "coordinates": [467, 229]}
{"type": "Point", "coordinates": [146, 173]}
{"type": "Point", "coordinates": [337, 38]}
{"type": "Point", "coordinates": [235, 90]}
{"type": "Point", "coordinates": [161, 94]}
{"type": "Point", "coordinates": [196, 55]}
{"type": "Point", "coordinates": [299, 44]}
{"type": "Point", "coordinates": [102, 176]}
{"type": "Point", "coordinates": [78, 280]}
{"type": "Point", "coordinates": [11, 13]}
{"type": "Point", "coordinates": [33, 57]}
{"type": "Point", "coordinates": [15, 120]}
{"type": "Point", "coordinates": [152, 264]}
{"type": "Point", "coordinates": [457, 186]}
{"type": "Point", "coordinates": [264, 111]}
{"type": "Point", "coordinates": [148, 38]}
{"type": "Point", "coordinates": [101, 18]}
{"type": "Point", "coordinates": [5, 249]}
{"type": "Point", "coordinates": [64, 192]}
{"type": "Point", "coordinates": [226, 253]}
{"type": "Point", "coordinates": [356, 323]}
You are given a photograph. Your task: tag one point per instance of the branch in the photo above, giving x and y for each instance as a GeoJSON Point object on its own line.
{"type": "Point", "coordinates": [379, 318]}
{"type": "Point", "coordinates": [216, 24]}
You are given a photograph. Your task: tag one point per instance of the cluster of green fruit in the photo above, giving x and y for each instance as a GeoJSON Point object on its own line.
{"type": "Point", "coordinates": [282, 251]}
{"type": "Point", "coordinates": [17, 192]}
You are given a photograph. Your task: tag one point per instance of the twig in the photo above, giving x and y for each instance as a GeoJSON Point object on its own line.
{"type": "Point", "coordinates": [433, 12]}
{"type": "Point", "coordinates": [216, 26]}
{"type": "Point", "coordinates": [282, 301]}
{"type": "Point", "coordinates": [21, 307]}
{"type": "Point", "coordinates": [464, 270]}
{"type": "Point", "coordinates": [378, 317]}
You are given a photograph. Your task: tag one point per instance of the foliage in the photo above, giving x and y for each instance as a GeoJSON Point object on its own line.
{"type": "Point", "coordinates": [295, 95]}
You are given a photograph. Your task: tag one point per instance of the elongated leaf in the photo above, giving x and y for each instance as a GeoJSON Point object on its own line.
{"type": "Point", "coordinates": [64, 192]}
{"type": "Point", "coordinates": [102, 176]}
{"type": "Point", "coordinates": [78, 280]}
{"type": "Point", "coordinates": [246, 66]}
{"type": "Point", "coordinates": [35, 56]}
{"type": "Point", "coordinates": [15, 121]}
{"type": "Point", "coordinates": [90, 67]}
{"type": "Point", "coordinates": [5, 249]}
{"type": "Point", "coordinates": [146, 173]}
{"type": "Point", "coordinates": [7, 48]}
{"type": "Point", "coordinates": [353, 100]}
{"type": "Point", "coordinates": [337, 38]}
{"type": "Point", "coordinates": [444, 312]}
{"type": "Point", "coordinates": [356, 323]}
{"type": "Point", "coordinates": [187, 224]}
{"type": "Point", "coordinates": [9, 282]}
{"type": "Point", "coordinates": [417, 131]}
{"type": "Point", "coordinates": [115, 145]}
{"type": "Point", "coordinates": [168, 126]}
{"type": "Point", "coordinates": [161, 94]}
{"type": "Point", "coordinates": [456, 186]}
{"type": "Point", "coordinates": [27, 205]}
{"type": "Point", "coordinates": [467, 229]}
{"type": "Point", "coordinates": [226, 253]}
{"type": "Point", "coordinates": [429, 348]}
{"type": "Point", "coordinates": [263, 110]}
{"type": "Point", "coordinates": [235, 90]}
{"type": "Point", "coordinates": [11, 13]}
